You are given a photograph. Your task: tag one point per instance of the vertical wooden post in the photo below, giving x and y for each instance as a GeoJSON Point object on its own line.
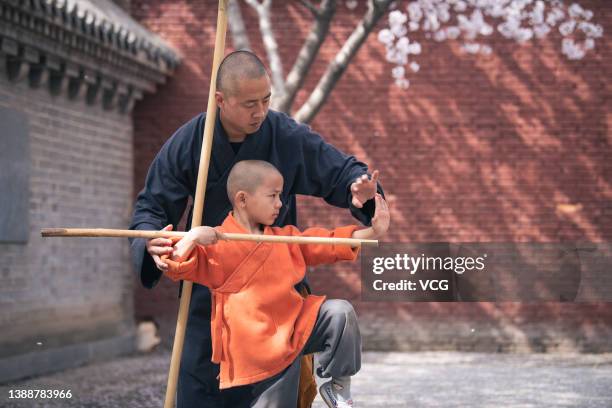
{"type": "Point", "coordinates": [198, 205]}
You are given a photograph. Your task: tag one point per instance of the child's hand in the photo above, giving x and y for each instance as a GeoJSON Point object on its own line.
{"type": "Point", "coordinates": [382, 218]}
{"type": "Point", "coordinates": [197, 235]}
{"type": "Point", "coordinates": [205, 235]}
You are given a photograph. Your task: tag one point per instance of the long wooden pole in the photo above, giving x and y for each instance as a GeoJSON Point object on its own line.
{"type": "Point", "coordinates": [198, 205]}
{"type": "Point", "coordinates": [287, 239]}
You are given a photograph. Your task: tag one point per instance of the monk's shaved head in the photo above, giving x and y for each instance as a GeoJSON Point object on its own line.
{"type": "Point", "coordinates": [237, 66]}
{"type": "Point", "coordinates": [247, 175]}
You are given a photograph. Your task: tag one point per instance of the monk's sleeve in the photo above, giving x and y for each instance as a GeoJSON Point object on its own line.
{"type": "Point", "coordinates": [168, 184]}
{"type": "Point", "coordinates": [317, 254]}
{"type": "Point", "coordinates": [193, 269]}
{"type": "Point", "coordinates": [324, 171]}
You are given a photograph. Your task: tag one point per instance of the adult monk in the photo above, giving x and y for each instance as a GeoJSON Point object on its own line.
{"type": "Point", "coordinates": [245, 129]}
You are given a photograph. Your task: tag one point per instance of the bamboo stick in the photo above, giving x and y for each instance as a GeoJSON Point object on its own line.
{"type": "Point", "coordinates": [104, 232]}
{"type": "Point", "coordinates": [198, 205]}
{"type": "Point", "coordinates": [108, 233]}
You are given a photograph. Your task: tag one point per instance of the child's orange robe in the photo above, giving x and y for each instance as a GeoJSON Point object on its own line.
{"type": "Point", "coordinates": [259, 322]}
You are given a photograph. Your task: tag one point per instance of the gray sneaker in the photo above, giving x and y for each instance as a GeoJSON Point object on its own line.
{"type": "Point", "coordinates": [336, 393]}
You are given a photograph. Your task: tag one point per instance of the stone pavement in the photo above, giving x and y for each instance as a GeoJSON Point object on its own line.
{"type": "Point", "coordinates": [424, 379]}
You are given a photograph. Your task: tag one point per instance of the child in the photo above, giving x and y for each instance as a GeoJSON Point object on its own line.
{"type": "Point", "coordinates": [260, 324]}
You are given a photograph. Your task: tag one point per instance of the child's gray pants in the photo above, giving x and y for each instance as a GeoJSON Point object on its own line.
{"type": "Point", "coordinates": [336, 339]}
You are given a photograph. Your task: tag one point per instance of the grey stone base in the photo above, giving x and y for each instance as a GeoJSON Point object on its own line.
{"type": "Point", "coordinates": [61, 358]}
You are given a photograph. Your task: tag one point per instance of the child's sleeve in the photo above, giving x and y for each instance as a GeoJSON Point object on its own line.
{"type": "Point", "coordinates": [316, 254]}
{"type": "Point", "coordinates": [193, 269]}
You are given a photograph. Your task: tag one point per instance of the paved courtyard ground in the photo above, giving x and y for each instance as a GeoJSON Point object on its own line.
{"type": "Point", "coordinates": [419, 380]}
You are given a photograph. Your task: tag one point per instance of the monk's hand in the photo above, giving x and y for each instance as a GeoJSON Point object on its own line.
{"type": "Point", "coordinates": [157, 247]}
{"type": "Point", "coordinates": [364, 189]}
{"type": "Point", "coordinates": [382, 217]}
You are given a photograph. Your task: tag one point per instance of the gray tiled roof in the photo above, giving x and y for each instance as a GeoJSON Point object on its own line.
{"type": "Point", "coordinates": [106, 21]}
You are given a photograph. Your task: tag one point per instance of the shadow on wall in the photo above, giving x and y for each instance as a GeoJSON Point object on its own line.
{"type": "Point", "coordinates": [513, 147]}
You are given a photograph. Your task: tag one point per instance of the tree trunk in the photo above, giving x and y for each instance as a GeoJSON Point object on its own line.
{"type": "Point", "coordinates": [323, 16]}
{"type": "Point", "coordinates": [240, 37]}
{"type": "Point", "coordinates": [376, 9]}
{"type": "Point", "coordinates": [265, 26]}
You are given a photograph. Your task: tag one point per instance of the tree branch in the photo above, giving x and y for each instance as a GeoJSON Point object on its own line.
{"type": "Point", "coordinates": [376, 9]}
{"type": "Point", "coordinates": [265, 26]}
{"type": "Point", "coordinates": [311, 7]}
{"type": "Point", "coordinates": [240, 37]}
{"type": "Point", "coordinates": [307, 55]}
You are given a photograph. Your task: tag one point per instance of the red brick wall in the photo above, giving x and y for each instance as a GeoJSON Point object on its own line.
{"type": "Point", "coordinates": [477, 149]}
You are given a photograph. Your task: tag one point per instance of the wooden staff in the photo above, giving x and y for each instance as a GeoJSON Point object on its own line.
{"type": "Point", "coordinates": [102, 232]}
{"type": "Point", "coordinates": [198, 205]}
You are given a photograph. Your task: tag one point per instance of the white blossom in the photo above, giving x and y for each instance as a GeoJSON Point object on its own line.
{"type": "Point", "coordinates": [415, 12]}
{"type": "Point", "coordinates": [444, 15]}
{"type": "Point", "coordinates": [398, 72]}
{"type": "Point", "coordinates": [507, 29]}
{"type": "Point", "coordinates": [591, 30]}
{"type": "Point", "coordinates": [431, 23]}
{"type": "Point", "coordinates": [537, 15]}
{"type": "Point", "coordinates": [415, 48]}
{"type": "Point", "coordinates": [403, 45]}
{"type": "Point", "coordinates": [567, 27]}
{"type": "Point", "coordinates": [460, 6]}
{"type": "Point", "coordinates": [496, 10]}
{"type": "Point", "coordinates": [554, 16]}
{"type": "Point", "coordinates": [385, 36]}
{"type": "Point", "coordinates": [402, 83]}
{"type": "Point", "coordinates": [575, 10]}
{"type": "Point", "coordinates": [453, 32]}
{"type": "Point", "coordinates": [541, 30]}
{"type": "Point", "coordinates": [351, 4]}
{"type": "Point", "coordinates": [470, 21]}
{"type": "Point", "coordinates": [471, 48]}
{"type": "Point", "coordinates": [571, 49]}
{"type": "Point", "coordinates": [399, 30]}
{"type": "Point", "coordinates": [440, 36]}
{"type": "Point", "coordinates": [396, 57]}
{"type": "Point", "coordinates": [486, 50]}
{"type": "Point", "coordinates": [523, 35]}
{"type": "Point", "coordinates": [396, 17]}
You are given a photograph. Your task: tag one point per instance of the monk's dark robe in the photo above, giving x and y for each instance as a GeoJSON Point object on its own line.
{"type": "Point", "coordinates": [309, 165]}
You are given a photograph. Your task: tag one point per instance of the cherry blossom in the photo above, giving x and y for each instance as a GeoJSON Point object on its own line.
{"type": "Point", "coordinates": [471, 21]}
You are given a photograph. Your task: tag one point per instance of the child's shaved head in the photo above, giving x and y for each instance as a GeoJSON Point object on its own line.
{"type": "Point", "coordinates": [247, 175]}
